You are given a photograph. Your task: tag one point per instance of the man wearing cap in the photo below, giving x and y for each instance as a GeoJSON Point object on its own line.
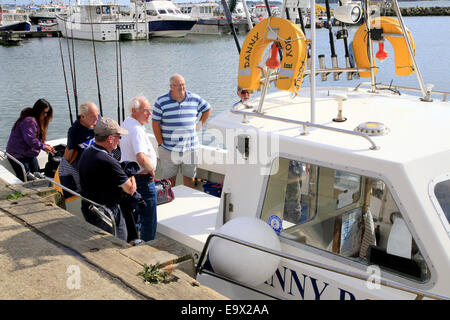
{"type": "Point", "coordinates": [136, 146]}
{"type": "Point", "coordinates": [102, 177]}
{"type": "Point", "coordinates": [174, 123]}
{"type": "Point", "coordinates": [243, 94]}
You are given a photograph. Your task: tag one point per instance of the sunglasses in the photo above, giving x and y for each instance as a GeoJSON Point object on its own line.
{"type": "Point", "coordinates": [118, 136]}
{"type": "Point", "coordinates": [245, 92]}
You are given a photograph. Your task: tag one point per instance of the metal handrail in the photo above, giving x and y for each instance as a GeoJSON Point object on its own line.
{"type": "Point", "coordinates": [420, 293]}
{"type": "Point", "coordinates": [24, 172]}
{"type": "Point", "coordinates": [396, 87]}
{"type": "Point", "coordinates": [306, 124]}
{"type": "Point", "coordinates": [94, 207]}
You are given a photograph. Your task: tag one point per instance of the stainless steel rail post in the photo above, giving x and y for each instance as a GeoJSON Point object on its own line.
{"type": "Point", "coordinates": [410, 49]}
{"type": "Point", "coordinates": [7, 155]}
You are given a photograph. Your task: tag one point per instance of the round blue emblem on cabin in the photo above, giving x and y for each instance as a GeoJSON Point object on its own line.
{"type": "Point", "coordinates": [275, 222]}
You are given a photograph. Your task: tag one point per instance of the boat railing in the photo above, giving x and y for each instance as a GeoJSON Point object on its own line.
{"type": "Point", "coordinates": [420, 294]}
{"type": "Point", "coordinates": [305, 125]}
{"type": "Point", "coordinates": [397, 87]}
{"type": "Point", "coordinates": [5, 155]}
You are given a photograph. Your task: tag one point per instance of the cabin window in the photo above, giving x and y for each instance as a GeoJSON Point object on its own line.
{"type": "Point", "coordinates": [152, 13]}
{"type": "Point", "coordinates": [98, 10]}
{"type": "Point", "coordinates": [170, 11]}
{"type": "Point", "coordinates": [343, 213]}
{"type": "Point", "coordinates": [162, 11]}
{"type": "Point", "coordinates": [442, 193]}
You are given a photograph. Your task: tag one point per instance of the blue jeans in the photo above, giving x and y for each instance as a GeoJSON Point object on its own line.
{"type": "Point", "coordinates": [147, 215]}
{"type": "Point", "coordinates": [30, 164]}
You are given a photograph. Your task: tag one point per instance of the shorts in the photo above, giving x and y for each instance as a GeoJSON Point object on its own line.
{"type": "Point", "coordinates": [172, 162]}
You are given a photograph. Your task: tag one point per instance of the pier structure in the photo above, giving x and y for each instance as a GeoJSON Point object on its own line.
{"type": "Point", "coordinates": [48, 253]}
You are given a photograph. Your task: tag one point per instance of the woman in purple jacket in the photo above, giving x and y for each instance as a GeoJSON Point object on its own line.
{"type": "Point", "coordinates": [28, 136]}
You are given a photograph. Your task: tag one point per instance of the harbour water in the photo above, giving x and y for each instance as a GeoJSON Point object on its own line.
{"type": "Point", "coordinates": [208, 63]}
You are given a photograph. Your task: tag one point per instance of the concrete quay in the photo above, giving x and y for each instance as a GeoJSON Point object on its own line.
{"type": "Point", "coordinates": [48, 253]}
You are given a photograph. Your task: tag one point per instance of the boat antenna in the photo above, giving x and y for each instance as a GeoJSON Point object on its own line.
{"type": "Point", "coordinates": [230, 23]}
{"type": "Point", "coordinates": [95, 62]}
{"type": "Point", "coordinates": [65, 80]}
{"type": "Point", "coordinates": [334, 61]}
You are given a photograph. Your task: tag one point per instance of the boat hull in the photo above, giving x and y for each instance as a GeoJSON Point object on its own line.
{"type": "Point", "coordinates": [170, 28]}
{"type": "Point", "coordinates": [218, 26]}
{"type": "Point", "coordinates": [124, 30]}
{"type": "Point", "coordinates": [20, 26]}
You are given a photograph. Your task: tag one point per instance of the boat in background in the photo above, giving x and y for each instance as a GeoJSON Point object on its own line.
{"type": "Point", "coordinates": [47, 12]}
{"type": "Point", "coordinates": [100, 22]}
{"type": "Point", "coordinates": [163, 17]}
{"type": "Point", "coordinates": [211, 19]}
{"type": "Point", "coordinates": [14, 20]}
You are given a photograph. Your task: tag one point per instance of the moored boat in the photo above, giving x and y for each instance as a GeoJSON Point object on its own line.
{"type": "Point", "coordinates": [163, 17]}
{"type": "Point", "coordinates": [100, 22]}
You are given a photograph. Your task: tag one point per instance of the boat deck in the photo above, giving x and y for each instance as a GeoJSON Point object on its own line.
{"type": "Point", "coordinates": [187, 224]}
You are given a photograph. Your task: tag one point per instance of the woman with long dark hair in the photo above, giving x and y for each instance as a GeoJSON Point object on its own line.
{"type": "Point", "coordinates": [28, 136]}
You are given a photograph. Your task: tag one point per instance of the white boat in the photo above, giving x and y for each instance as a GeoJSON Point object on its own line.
{"type": "Point", "coordinates": [259, 12]}
{"type": "Point", "coordinates": [100, 22]}
{"type": "Point", "coordinates": [212, 20]}
{"type": "Point", "coordinates": [331, 193]}
{"type": "Point", "coordinates": [163, 17]}
{"type": "Point", "coordinates": [47, 12]}
{"type": "Point", "coordinates": [14, 20]}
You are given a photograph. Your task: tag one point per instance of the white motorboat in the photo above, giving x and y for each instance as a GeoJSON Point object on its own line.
{"type": "Point", "coordinates": [328, 193]}
{"type": "Point", "coordinates": [163, 17]}
{"type": "Point", "coordinates": [211, 19]}
{"type": "Point", "coordinates": [14, 20]}
{"type": "Point", "coordinates": [100, 22]}
{"type": "Point", "coordinates": [47, 12]}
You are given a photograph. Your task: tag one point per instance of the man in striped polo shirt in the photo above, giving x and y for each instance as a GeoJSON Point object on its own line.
{"type": "Point", "coordinates": [174, 122]}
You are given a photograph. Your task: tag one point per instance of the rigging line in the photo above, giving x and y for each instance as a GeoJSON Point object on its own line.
{"type": "Point", "coordinates": [302, 25]}
{"type": "Point", "coordinates": [95, 63]}
{"type": "Point", "coordinates": [65, 80]}
{"type": "Point", "coordinates": [230, 23]}
{"type": "Point", "coordinates": [117, 76]}
{"type": "Point", "coordinates": [75, 92]}
{"type": "Point", "coordinates": [121, 73]}
{"type": "Point", "coordinates": [70, 63]}
{"type": "Point", "coordinates": [269, 12]}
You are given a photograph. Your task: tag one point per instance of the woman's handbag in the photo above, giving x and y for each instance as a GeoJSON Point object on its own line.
{"type": "Point", "coordinates": [164, 191]}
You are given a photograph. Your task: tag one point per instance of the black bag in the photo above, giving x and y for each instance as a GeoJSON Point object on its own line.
{"type": "Point", "coordinates": [164, 191]}
{"type": "Point", "coordinates": [53, 160]}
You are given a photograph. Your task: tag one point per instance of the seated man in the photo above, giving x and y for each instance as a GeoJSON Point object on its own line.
{"type": "Point", "coordinates": [102, 177]}
{"type": "Point", "coordinates": [244, 96]}
{"type": "Point", "coordinates": [79, 137]}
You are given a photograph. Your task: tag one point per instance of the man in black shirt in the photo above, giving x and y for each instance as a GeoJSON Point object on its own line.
{"type": "Point", "coordinates": [102, 177]}
{"type": "Point", "coordinates": [79, 137]}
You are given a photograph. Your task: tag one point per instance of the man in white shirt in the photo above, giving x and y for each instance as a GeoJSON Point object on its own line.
{"type": "Point", "coordinates": [136, 146]}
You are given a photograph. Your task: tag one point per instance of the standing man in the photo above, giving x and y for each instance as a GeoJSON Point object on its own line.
{"type": "Point", "coordinates": [102, 177]}
{"type": "Point", "coordinates": [136, 146]}
{"type": "Point", "coordinates": [79, 137]}
{"type": "Point", "coordinates": [174, 123]}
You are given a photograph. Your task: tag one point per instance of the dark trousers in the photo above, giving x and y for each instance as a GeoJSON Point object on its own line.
{"type": "Point", "coordinates": [92, 218]}
{"type": "Point", "coordinates": [147, 215]}
{"type": "Point", "coordinates": [30, 164]}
